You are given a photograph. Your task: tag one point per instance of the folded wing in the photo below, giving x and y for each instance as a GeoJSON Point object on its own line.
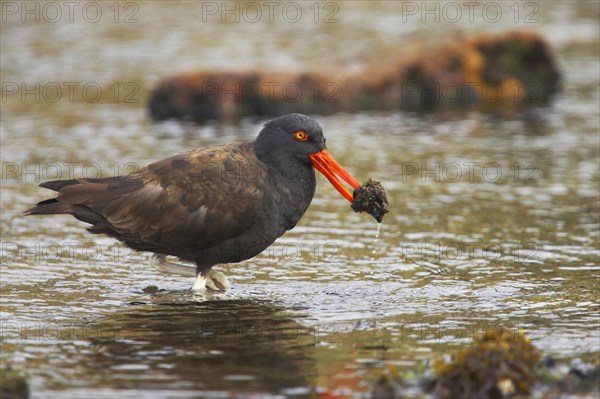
{"type": "Point", "coordinates": [179, 205]}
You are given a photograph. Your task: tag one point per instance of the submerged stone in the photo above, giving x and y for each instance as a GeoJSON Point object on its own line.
{"type": "Point", "coordinates": [13, 384]}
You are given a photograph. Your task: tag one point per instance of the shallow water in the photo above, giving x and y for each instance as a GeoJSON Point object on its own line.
{"type": "Point", "coordinates": [493, 219]}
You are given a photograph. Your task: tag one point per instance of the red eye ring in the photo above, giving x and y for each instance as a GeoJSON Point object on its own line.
{"type": "Point", "coordinates": [301, 135]}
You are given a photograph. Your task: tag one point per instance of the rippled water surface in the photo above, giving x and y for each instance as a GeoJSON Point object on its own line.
{"type": "Point", "coordinates": [494, 219]}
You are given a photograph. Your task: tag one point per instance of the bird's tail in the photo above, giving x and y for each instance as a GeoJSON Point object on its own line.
{"type": "Point", "coordinates": [52, 206]}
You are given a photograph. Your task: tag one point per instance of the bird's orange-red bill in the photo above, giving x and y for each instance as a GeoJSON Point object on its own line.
{"type": "Point", "coordinates": [324, 163]}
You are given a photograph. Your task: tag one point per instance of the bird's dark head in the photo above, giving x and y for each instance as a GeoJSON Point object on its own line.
{"type": "Point", "coordinates": [292, 136]}
{"type": "Point", "coordinates": [298, 138]}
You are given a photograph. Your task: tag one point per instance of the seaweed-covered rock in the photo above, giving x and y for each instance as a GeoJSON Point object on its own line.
{"type": "Point", "coordinates": [228, 96]}
{"type": "Point", "coordinates": [371, 198]}
{"type": "Point", "coordinates": [500, 364]}
{"type": "Point", "coordinates": [512, 69]}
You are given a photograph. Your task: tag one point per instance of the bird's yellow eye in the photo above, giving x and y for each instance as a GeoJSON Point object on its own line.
{"type": "Point", "coordinates": [301, 135]}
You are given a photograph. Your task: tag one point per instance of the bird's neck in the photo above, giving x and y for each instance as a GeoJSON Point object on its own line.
{"type": "Point", "coordinates": [294, 180]}
{"type": "Point", "coordinates": [281, 164]}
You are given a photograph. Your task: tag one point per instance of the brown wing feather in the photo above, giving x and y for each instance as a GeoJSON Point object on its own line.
{"type": "Point", "coordinates": [179, 205]}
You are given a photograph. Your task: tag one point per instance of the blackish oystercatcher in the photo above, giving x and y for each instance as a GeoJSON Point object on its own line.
{"type": "Point", "coordinates": [221, 204]}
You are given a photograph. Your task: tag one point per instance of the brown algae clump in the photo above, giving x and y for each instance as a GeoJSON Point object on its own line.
{"type": "Point", "coordinates": [371, 198]}
{"type": "Point", "coordinates": [500, 364]}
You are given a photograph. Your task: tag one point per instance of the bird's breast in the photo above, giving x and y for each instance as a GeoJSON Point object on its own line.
{"type": "Point", "coordinates": [293, 190]}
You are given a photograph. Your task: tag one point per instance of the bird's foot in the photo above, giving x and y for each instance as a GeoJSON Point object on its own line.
{"type": "Point", "coordinates": [213, 280]}
{"type": "Point", "coordinates": [160, 263]}
{"type": "Point", "coordinates": [217, 281]}
{"type": "Point", "coordinates": [199, 284]}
